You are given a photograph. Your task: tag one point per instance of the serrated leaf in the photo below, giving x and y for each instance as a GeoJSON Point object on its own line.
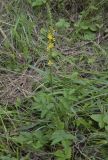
{"type": "Point", "coordinates": [59, 153]}
{"type": "Point", "coordinates": [61, 135]}
{"type": "Point", "coordinates": [38, 145]}
{"type": "Point", "coordinates": [84, 26]}
{"type": "Point", "coordinates": [68, 153]}
{"type": "Point", "coordinates": [62, 24]}
{"type": "Point", "coordinates": [89, 36]}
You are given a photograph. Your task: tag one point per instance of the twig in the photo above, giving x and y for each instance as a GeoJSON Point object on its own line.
{"type": "Point", "coordinates": [84, 155]}
{"type": "Point", "coordinates": [3, 33]}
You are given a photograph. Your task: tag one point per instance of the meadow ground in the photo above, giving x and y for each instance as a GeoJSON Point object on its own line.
{"type": "Point", "coordinates": [53, 80]}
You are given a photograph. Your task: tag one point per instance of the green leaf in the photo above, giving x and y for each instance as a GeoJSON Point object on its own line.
{"type": "Point", "coordinates": [55, 54]}
{"type": "Point", "coordinates": [98, 118]}
{"type": "Point", "coordinates": [68, 153]}
{"type": "Point", "coordinates": [59, 154]}
{"type": "Point", "coordinates": [83, 122]}
{"type": "Point", "coordinates": [5, 112]}
{"type": "Point", "coordinates": [8, 157]}
{"type": "Point", "coordinates": [105, 119]}
{"type": "Point", "coordinates": [38, 3]}
{"type": "Point", "coordinates": [84, 25]}
{"type": "Point", "coordinates": [92, 7]}
{"type": "Point", "coordinates": [58, 123]}
{"type": "Point", "coordinates": [89, 35]}
{"type": "Point", "coordinates": [38, 145]}
{"type": "Point", "coordinates": [62, 24]}
{"type": "Point", "coordinates": [91, 60]}
{"type": "Point", "coordinates": [99, 25]}
{"type": "Point", "coordinates": [60, 135]}
{"type": "Point", "coordinates": [101, 124]}
{"type": "Point", "coordinates": [106, 128]}
{"type": "Point", "coordinates": [67, 149]}
{"type": "Point", "coordinates": [93, 28]}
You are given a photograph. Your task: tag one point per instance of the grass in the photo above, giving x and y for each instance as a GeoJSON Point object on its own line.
{"type": "Point", "coordinates": [59, 111]}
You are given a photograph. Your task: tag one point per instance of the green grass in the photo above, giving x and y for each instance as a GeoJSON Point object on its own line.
{"type": "Point", "coordinates": [65, 118]}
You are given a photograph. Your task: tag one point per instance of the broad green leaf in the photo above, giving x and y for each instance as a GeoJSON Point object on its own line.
{"type": "Point", "coordinates": [83, 122]}
{"type": "Point", "coordinates": [101, 124]}
{"type": "Point", "coordinates": [105, 118]}
{"type": "Point", "coordinates": [93, 27]}
{"type": "Point", "coordinates": [38, 3]}
{"type": "Point", "coordinates": [74, 75]}
{"type": "Point", "coordinates": [98, 118]}
{"type": "Point", "coordinates": [60, 135]}
{"type": "Point", "coordinates": [89, 35]}
{"type": "Point", "coordinates": [62, 24]}
{"type": "Point", "coordinates": [8, 157]}
{"type": "Point", "coordinates": [84, 25]}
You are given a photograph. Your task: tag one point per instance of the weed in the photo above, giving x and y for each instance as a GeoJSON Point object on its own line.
{"type": "Point", "coordinates": [53, 82]}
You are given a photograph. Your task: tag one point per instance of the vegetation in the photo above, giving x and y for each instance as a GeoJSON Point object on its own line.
{"type": "Point", "coordinates": [53, 80]}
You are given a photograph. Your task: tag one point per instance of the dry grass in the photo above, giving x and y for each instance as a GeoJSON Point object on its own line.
{"type": "Point", "coordinates": [14, 86]}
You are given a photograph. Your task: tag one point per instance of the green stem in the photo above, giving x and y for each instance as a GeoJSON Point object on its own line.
{"type": "Point", "coordinates": [50, 54]}
{"type": "Point", "coordinates": [49, 14]}
{"type": "Point", "coordinates": [51, 79]}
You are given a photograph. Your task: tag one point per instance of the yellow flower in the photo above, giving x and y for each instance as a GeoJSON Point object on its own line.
{"type": "Point", "coordinates": [51, 29]}
{"type": "Point", "coordinates": [50, 63]}
{"type": "Point", "coordinates": [50, 37]}
{"type": "Point", "coordinates": [50, 46]}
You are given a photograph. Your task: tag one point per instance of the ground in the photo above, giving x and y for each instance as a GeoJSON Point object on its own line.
{"type": "Point", "coordinates": [58, 110]}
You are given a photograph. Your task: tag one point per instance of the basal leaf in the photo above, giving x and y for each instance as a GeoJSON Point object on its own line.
{"type": "Point", "coordinates": [89, 35]}
{"type": "Point", "coordinates": [62, 24]}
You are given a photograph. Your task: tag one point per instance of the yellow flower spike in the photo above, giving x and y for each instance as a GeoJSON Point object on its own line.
{"type": "Point", "coordinates": [50, 46]}
{"type": "Point", "coordinates": [50, 63]}
{"type": "Point", "coordinates": [50, 37]}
